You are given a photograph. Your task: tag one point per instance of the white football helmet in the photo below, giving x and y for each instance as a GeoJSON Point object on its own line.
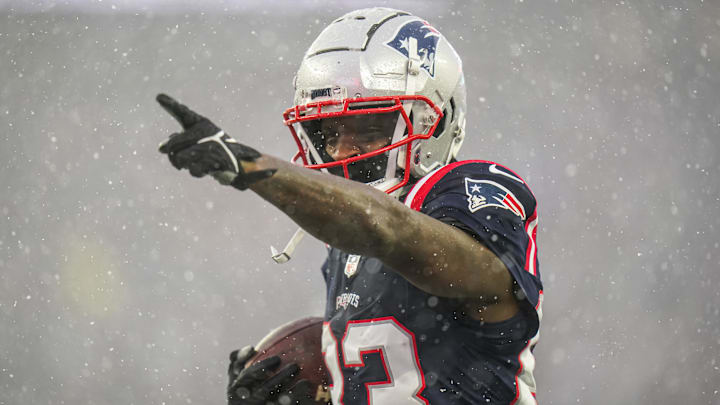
{"type": "Point", "coordinates": [385, 65]}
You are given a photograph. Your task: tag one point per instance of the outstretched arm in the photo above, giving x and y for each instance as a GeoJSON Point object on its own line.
{"type": "Point", "coordinates": [437, 258]}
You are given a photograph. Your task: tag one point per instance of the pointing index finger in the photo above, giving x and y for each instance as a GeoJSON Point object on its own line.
{"type": "Point", "coordinates": [185, 116]}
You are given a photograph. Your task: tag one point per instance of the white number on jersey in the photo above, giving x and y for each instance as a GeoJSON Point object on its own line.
{"type": "Point", "coordinates": [396, 347]}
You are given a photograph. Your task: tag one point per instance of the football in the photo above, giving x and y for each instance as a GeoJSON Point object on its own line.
{"type": "Point", "coordinates": [298, 342]}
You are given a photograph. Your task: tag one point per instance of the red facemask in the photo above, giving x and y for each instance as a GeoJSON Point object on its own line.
{"type": "Point", "coordinates": [389, 106]}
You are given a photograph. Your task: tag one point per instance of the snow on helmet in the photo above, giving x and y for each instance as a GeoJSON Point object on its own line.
{"type": "Point", "coordinates": [391, 69]}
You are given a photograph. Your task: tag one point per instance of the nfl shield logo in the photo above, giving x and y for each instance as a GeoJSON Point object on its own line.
{"type": "Point", "coordinates": [351, 265]}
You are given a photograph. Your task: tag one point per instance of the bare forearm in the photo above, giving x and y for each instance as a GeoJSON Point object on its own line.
{"type": "Point", "coordinates": [351, 216]}
{"type": "Point", "coordinates": [348, 215]}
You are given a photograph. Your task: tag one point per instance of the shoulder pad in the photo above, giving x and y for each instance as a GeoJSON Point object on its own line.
{"type": "Point", "coordinates": [480, 182]}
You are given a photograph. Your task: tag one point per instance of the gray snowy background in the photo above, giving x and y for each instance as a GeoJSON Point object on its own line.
{"type": "Point", "coordinates": [123, 281]}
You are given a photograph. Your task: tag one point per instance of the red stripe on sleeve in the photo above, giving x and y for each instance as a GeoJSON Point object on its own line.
{"type": "Point", "coordinates": [425, 188]}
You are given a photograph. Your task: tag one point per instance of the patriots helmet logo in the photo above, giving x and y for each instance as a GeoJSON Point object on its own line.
{"type": "Point", "coordinates": [485, 193]}
{"type": "Point", "coordinates": [427, 39]}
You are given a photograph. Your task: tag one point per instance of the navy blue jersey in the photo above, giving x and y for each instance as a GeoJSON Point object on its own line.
{"type": "Point", "coordinates": [387, 342]}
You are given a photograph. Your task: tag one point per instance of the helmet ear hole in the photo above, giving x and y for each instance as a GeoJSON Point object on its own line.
{"type": "Point", "coordinates": [452, 106]}
{"type": "Point", "coordinates": [448, 116]}
{"type": "Point", "coordinates": [441, 125]}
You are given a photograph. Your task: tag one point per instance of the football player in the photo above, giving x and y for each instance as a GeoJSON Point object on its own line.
{"type": "Point", "coordinates": [433, 283]}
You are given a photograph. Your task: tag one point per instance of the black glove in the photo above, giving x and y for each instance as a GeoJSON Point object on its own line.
{"type": "Point", "coordinates": [254, 385]}
{"type": "Point", "coordinates": [203, 148]}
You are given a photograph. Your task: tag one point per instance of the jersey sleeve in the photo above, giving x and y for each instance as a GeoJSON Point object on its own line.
{"type": "Point", "coordinates": [495, 206]}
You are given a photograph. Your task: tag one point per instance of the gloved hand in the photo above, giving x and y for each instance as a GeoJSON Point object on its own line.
{"type": "Point", "coordinates": [255, 385]}
{"type": "Point", "coordinates": [203, 148]}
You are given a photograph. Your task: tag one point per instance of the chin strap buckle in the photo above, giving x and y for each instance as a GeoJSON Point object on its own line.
{"type": "Point", "coordinates": [284, 256]}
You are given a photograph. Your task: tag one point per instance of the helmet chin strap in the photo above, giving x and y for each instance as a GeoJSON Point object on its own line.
{"type": "Point", "coordinates": [390, 178]}
{"type": "Point", "coordinates": [284, 256]}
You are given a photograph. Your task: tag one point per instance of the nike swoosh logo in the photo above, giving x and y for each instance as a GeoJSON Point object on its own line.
{"type": "Point", "coordinates": [493, 169]}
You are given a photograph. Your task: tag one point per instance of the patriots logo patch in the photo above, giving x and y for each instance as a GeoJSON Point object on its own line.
{"type": "Point", "coordinates": [486, 193]}
{"type": "Point", "coordinates": [427, 39]}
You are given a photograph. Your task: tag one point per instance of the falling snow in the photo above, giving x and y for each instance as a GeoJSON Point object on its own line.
{"type": "Point", "coordinates": [126, 281]}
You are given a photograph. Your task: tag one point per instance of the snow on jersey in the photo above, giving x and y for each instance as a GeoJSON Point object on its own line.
{"type": "Point", "coordinates": [387, 342]}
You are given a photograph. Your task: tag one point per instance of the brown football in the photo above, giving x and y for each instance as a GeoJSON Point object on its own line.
{"type": "Point", "coordinates": [298, 342]}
